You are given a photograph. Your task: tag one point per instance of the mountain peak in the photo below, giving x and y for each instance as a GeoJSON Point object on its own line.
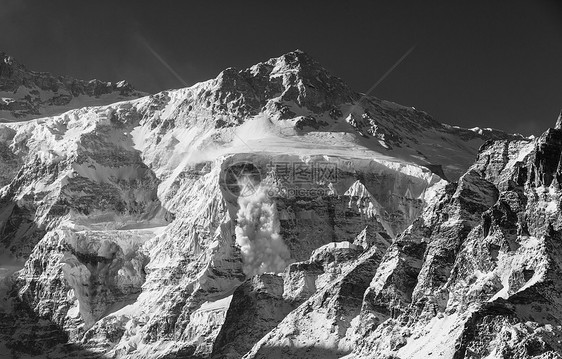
{"type": "Point", "coordinates": [298, 57]}
{"type": "Point", "coordinates": [280, 83]}
{"type": "Point", "coordinates": [6, 58]}
{"type": "Point", "coordinates": [7, 65]}
{"type": "Point", "coordinates": [302, 63]}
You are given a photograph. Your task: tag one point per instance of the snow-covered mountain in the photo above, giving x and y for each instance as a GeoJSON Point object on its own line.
{"type": "Point", "coordinates": [26, 94]}
{"type": "Point", "coordinates": [274, 212]}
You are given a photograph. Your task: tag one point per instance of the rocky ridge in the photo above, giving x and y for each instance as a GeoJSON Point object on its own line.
{"type": "Point", "coordinates": [478, 274]}
{"type": "Point", "coordinates": [26, 94]}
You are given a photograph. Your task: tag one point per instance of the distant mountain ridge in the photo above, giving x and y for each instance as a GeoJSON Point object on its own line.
{"type": "Point", "coordinates": [26, 94]}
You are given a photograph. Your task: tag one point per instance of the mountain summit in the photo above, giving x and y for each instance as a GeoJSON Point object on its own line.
{"type": "Point", "coordinates": [291, 103]}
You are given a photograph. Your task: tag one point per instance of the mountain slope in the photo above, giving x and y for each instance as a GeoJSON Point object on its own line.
{"type": "Point", "coordinates": [135, 224]}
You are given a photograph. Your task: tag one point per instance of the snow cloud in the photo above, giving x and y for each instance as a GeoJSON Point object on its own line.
{"type": "Point", "coordinates": [257, 234]}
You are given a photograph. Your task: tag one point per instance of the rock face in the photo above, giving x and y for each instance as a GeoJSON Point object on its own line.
{"type": "Point", "coordinates": [26, 94]}
{"type": "Point", "coordinates": [257, 306]}
{"type": "Point", "coordinates": [274, 212]}
{"type": "Point", "coordinates": [477, 275]}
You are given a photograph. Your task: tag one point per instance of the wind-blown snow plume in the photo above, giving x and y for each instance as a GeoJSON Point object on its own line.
{"type": "Point", "coordinates": [257, 234]}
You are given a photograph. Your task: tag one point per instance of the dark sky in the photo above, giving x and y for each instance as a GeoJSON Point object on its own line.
{"type": "Point", "coordinates": [477, 63]}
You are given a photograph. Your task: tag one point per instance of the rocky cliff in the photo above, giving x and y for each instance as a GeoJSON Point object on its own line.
{"type": "Point", "coordinates": [477, 275]}
{"type": "Point", "coordinates": [275, 212]}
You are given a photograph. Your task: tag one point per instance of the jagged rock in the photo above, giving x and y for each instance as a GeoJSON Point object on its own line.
{"type": "Point", "coordinates": [303, 279]}
{"type": "Point", "coordinates": [477, 273]}
{"type": "Point", "coordinates": [257, 306]}
{"type": "Point", "coordinates": [322, 326]}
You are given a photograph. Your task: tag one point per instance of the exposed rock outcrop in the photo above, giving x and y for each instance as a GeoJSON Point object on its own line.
{"type": "Point", "coordinates": [478, 274]}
